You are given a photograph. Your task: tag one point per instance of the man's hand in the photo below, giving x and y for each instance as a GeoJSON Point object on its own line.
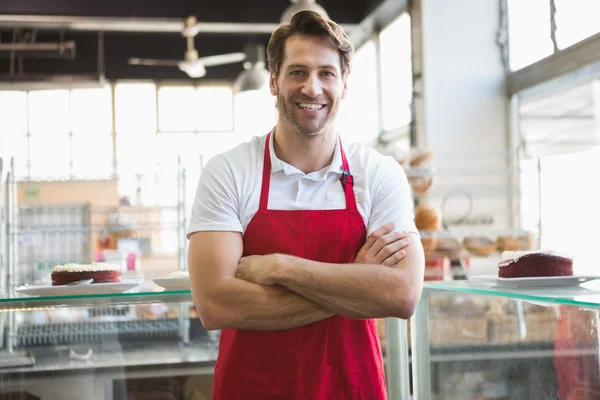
{"type": "Point", "coordinates": [257, 269]}
{"type": "Point", "coordinates": [383, 247]}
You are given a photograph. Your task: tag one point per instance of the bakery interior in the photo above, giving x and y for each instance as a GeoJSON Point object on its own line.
{"type": "Point", "coordinates": [108, 113]}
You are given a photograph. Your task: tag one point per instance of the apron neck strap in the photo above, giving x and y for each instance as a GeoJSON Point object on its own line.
{"type": "Point", "coordinates": [346, 179]}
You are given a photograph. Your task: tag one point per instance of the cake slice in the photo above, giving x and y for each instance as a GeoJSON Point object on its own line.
{"type": "Point", "coordinates": [535, 263]}
{"type": "Point", "coordinates": [99, 272]}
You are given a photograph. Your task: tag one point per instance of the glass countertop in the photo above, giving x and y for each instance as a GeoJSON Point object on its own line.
{"type": "Point", "coordinates": [24, 303]}
{"type": "Point", "coordinates": [583, 295]}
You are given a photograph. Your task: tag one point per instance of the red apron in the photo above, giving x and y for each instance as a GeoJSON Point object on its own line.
{"type": "Point", "coordinates": [336, 358]}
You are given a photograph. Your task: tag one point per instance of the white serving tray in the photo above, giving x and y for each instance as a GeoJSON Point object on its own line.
{"type": "Point", "coordinates": [81, 289]}
{"type": "Point", "coordinates": [173, 283]}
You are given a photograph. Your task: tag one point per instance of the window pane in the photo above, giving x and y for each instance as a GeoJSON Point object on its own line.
{"type": "Point", "coordinates": [136, 153]}
{"type": "Point", "coordinates": [529, 32]}
{"type": "Point", "coordinates": [358, 120]}
{"type": "Point", "coordinates": [91, 111]}
{"type": "Point", "coordinates": [582, 219]}
{"type": "Point", "coordinates": [396, 72]}
{"type": "Point", "coordinates": [50, 156]}
{"type": "Point", "coordinates": [176, 108]}
{"type": "Point", "coordinates": [135, 108]}
{"type": "Point", "coordinates": [576, 20]}
{"type": "Point", "coordinates": [13, 112]}
{"type": "Point", "coordinates": [92, 156]}
{"type": "Point", "coordinates": [49, 111]}
{"type": "Point", "coordinates": [214, 108]}
{"type": "Point", "coordinates": [255, 112]}
{"type": "Point", "coordinates": [14, 146]}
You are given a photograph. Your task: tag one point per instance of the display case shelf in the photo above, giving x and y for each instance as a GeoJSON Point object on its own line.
{"type": "Point", "coordinates": [25, 303]}
{"type": "Point", "coordinates": [585, 295]}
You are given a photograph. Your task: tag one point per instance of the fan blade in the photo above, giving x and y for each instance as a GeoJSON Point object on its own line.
{"type": "Point", "coordinates": [220, 59]}
{"type": "Point", "coordinates": [153, 62]}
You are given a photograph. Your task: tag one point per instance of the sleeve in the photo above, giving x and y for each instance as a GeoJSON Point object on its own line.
{"type": "Point", "coordinates": [392, 198]}
{"type": "Point", "coordinates": [216, 203]}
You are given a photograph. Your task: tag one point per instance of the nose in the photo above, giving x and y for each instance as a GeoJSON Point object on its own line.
{"type": "Point", "coordinates": [312, 86]}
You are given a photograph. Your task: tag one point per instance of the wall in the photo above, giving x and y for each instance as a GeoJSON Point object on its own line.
{"type": "Point", "coordinates": [464, 106]}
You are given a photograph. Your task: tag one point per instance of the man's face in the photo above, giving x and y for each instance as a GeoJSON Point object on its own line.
{"type": "Point", "coordinates": [310, 85]}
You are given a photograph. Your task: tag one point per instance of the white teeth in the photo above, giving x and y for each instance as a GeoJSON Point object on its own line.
{"type": "Point", "coordinates": [308, 106]}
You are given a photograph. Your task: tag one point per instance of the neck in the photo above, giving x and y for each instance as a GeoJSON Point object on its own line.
{"type": "Point", "coordinates": [307, 153]}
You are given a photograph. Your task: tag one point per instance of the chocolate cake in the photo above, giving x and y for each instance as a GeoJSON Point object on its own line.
{"type": "Point", "coordinates": [99, 272]}
{"type": "Point", "coordinates": [525, 264]}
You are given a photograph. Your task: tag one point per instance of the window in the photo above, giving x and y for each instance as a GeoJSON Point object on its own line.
{"type": "Point", "coordinates": [214, 108]}
{"type": "Point", "coordinates": [13, 113]}
{"type": "Point", "coordinates": [255, 112]}
{"type": "Point", "coordinates": [50, 156]}
{"type": "Point", "coordinates": [13, 129]}
{"type": "Point", "coordinates": [49, 112]}
{"type": "Point", "coordinates": [570, 213]}
{"type": "Point", "coordinates": [135, 108]}
{"type": "Point", "coordinates": [176, 109]}
{"type": "Point", "coordinates": [529, 32]}
{"type": "Point", "coordinates": [576, 20]}
{"type": "Point", "coordinates": [91, 111]}
{"type": "Point", "coordinates": [396, 72]}
{"type": "Point", "coordinates": [358, 117]}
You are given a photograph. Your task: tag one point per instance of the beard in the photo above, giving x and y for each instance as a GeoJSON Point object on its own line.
{"type": "Point", "coordinates": [286, 110]}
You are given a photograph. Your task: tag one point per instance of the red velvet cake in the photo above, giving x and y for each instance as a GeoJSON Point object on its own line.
{"type": "Point", "coordinates": [526, 264]}
{"type": "Point", "coordinates": [99, 272]}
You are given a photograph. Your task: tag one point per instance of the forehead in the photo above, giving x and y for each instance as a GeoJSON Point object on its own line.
{"type": "Point", "coordinates": [312, 51]}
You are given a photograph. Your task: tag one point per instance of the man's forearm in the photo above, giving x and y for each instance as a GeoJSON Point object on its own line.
{"type": "Point", "coordinates": [353, 290]}
{"type": "Point", "coordinates": [234, 303]}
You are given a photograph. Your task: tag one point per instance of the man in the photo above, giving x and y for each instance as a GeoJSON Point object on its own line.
{"type": "Point", "coordinates": [297, 242]}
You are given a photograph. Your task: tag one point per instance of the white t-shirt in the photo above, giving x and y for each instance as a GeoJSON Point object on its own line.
{"type": "Point", "coordinates": [229, 189]}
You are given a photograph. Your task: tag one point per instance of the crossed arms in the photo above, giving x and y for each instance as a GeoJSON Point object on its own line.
{"type": "Point", "coordinates": [278, 292]}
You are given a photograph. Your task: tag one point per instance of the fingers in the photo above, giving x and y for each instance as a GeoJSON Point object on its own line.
{"type": "Point", "coordinates": [391, 249]}
{"type": "Point", "coordinates": [375, 235]}
{"type": "Point", "coordinates": [383, 242]}
{"type": "Point", "coordinates": [395, 258]}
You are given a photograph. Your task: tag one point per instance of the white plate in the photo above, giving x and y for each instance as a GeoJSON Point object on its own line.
{"type": "Point", "coordinates": [539, 281]}
{"type": "Point", "coordinates": [65, 290]}
{"type": "Point", "coordinates": [173, 283]}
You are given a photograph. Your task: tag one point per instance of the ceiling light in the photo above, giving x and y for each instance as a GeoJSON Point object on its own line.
{"type": "Point", "coordinates": [301, 5]}
{"type": "Point", "coordinates": [255, 76]}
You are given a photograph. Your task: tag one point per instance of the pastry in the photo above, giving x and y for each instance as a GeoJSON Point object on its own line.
{"type": "Point", "coordinates": [99, 272]}
{"type": "Point", "coordinates": [422, 182]}
{"type": "Point", "coordinates": [506, 243]}
{"type": "Point", "coordinates": [522, 264]}
{"type": "Point", "coordinates": [479, 246]}
{"type": "Point", "coordinates": [429, 244]}
{"type": "Point", "coordinates": [427, 217]}
{"type": "Point", "coordinates": [524, 242]}
{"type": "Point", "coordinates": [449, 247]}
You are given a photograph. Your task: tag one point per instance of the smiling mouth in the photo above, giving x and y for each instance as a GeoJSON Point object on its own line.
{"type": "Point", "coordinates": [311, 106]}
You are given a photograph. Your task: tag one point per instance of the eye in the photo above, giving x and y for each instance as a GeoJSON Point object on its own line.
{"type": "Point", "coordinates": [296, 73]}
{"type": "Point", "coordinates": [328, 73]}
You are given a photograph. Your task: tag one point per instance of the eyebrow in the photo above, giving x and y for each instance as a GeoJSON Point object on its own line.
{"type": "Point", "coordinates": [326, 66]}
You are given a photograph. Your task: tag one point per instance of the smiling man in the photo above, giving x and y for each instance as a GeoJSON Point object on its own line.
{"type": "Point", "coordinates": [298, 240]}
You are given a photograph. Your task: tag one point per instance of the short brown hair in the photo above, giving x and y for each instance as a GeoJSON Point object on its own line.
{"type": "Point", "coordinates": [309, 23]}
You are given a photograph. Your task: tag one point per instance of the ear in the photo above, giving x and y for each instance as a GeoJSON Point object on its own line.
{"type": "Point", "coordinates": [344, 90]}
{"type": "Point", "coordinates": [273, 84]}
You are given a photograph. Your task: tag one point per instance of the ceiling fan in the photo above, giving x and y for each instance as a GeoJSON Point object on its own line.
{"type": "Point", "coordinates": [192, 65]}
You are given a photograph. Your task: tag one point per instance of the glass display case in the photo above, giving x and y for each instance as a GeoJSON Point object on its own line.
{"type": "Point", "coordinates": [144, 345]}
{"type": "Point", "coordinates": [477, 340]}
